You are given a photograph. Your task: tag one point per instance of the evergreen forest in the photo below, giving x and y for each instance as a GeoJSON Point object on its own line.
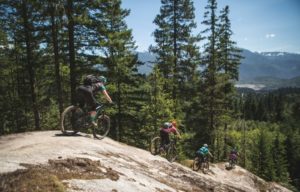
{"type": "Point", "coordinates": [48, 47]}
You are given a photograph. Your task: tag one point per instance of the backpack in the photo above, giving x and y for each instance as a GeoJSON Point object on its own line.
{"type": "Point", "coordinates": [90, 80]}
{"type": "Point", "coordinates": [203, 150]}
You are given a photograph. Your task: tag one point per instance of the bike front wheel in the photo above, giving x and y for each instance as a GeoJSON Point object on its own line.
{"type": "Point", "coordinates": [196, 164]}
{"type": "Point", "coordinates": [72, 119]}
{"type": "Point", "coordinates": [205, 167]}
{"type": "Point", "coordinates": [154, 146]}
{"type": "Point", "coordinates": [171, 153]}
{"type": "Point", "coordinates": [103, 127]}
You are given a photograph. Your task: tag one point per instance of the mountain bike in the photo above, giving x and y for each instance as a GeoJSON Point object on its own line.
{"type": "Point", "coordinates": [232, 161]}
{"type": "Point", "coordinates": [75, 118]}
{"type": "Point", "coordinates": [169, 151]}
{"type": "Point", "coordinates": [201, 164]}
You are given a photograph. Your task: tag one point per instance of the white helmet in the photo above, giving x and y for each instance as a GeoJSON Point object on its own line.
{"type": "Point", "coordinates": [167, 125]}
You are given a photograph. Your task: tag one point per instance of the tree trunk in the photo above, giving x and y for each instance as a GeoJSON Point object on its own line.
{"type": "Point", "coordinates": [56, 59]}
{"type": "Point", "coordinates": [30, 66]}
{"type": "Point", "coordinates": [119, 118]}
{"type": "Point", "coordinates": [175, 76]}
{"type": "Point", "coordinates": [225, 142]}
{"type": "Point", "coordinates": [71, 50]}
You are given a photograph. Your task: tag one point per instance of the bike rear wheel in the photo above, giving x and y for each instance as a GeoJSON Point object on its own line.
{"type": "Point", "coordinates": [205, 166]}
{"type": "Point", "coordinates": [155, 145]}
{"type": "Point", "coordinates": [196, 164]}
{"type": "Point", "coordinates": [232, 163]}
{"type": "Point", "coordinates": [72, 119]}
{"type": "Point", "coordinates": [103, 122]}
{"type": "Point", "coordinates": [171, 153]}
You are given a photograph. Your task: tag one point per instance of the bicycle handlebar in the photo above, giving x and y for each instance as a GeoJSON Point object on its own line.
{"type": "Point", "coordinates": [102, 105]}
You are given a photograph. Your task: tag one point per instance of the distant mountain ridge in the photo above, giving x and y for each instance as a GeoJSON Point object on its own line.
{"type": "Point", "coordinates": [147, 58]}
{"type": "Point", "coordinates": [272, 64]}
{"type": "Point", "coordinates": [266, 69]}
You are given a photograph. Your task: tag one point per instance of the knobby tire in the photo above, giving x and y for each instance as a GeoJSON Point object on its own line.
{"type": "Point", "coordinates": [154, 146]}
{"type": "Point", "coordinates": [69, 121]}
{"type": "Point", "coordinates": [101, 131]}
{"type": "Point", "coordinates": [196, 164]}
{"type": "Point", "coordinates": [171, 153]}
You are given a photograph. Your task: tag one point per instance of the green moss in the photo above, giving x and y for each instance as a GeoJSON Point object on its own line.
{"type": "Point", "coordinates": [187, 163]}
{"type": "Point", "coordinates": [49, 177]}
{"type": "Point", "coordinates": [33, 179]}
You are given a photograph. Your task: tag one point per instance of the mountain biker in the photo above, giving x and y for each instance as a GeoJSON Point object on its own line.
{"type": "Point", "coordinates": [203, 152]}
{"type": "Point", "coordinates": [86, 94]}
{"type": "Point", "coordinates": [165, 130]}
{"type": "Point", "coordinates": [233, 154]}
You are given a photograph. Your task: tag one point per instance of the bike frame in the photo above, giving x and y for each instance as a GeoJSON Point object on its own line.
{"type": "Point", "coordinates": [84, 120]}
{"type": "Point", "coordinates": [171, 146]}
{"type": "Point", "coordinates": [100, 109]}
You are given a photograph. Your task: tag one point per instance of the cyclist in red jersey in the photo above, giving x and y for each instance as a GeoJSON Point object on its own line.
{"type": "Point", "coordinates": [165, 130]}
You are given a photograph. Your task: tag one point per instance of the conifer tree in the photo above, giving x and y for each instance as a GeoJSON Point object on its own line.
{"type": "Point", "coordinates": [71, 48]}
{"type": "Point", "coordinates": [230, 55]}
{"type": "Point", "coordinates": [116, 46]}
{"type": "Point", "coordinates": [262, 157]}
{"type": "Point", "coordinates": [8, 85]}
{"type": "Point", "coordinates": [279, 158]}
{"type": "Point", "coordinates": [56, 12]}
{"type": "Point", "coordinates": [158, 107]}
{"type": "Point", "coordinates": [229, 60]}
{"type": "Point", "coordinates": [210, 61]}
{"type": "Point", "coordinates": [26, 39]}
{"type": "Point", "coordinates": [176, 49]}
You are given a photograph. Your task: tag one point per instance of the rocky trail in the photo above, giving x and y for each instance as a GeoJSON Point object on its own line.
{"type": "Point", "coordinates": [48, 161]}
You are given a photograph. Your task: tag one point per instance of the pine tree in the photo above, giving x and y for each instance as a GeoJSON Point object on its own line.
{"type": "Point", "coordinates": [262, 157]}
{"type": "Point", "coordinates": [71, 48]}
{"type": "Point", "coordinates": [116, 46]}
{"type": "Point", "coordinates": [212, 97]}
{"type": "Point", "coordinates": [159, 107]}
{"type": "Point", "coordinates": [279, 158]}
{"type": "Point", "coordinates": [55, 9]}
{"type": "Point", "coordinates": [229, 56]}
{"type": "Point", "coordinates": [293, 149]}
{"type": "Point", "coordinates": [8, 88]}
{"type": "Point", "coordinates": [26, 37]}
{"type": "Point", "coordinates": [176, 49]}
{"type": "Point", "coordinates": [279, 107]}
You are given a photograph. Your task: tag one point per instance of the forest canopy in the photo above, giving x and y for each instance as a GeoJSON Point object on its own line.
{"type": "Point", "coordinates": [48, 47]}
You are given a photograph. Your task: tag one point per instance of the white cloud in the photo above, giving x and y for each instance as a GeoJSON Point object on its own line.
{"type": "Point", "coordinates": [270, 35]}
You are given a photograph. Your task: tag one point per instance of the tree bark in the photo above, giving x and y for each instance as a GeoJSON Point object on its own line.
{"type": "Point", "coordinates": [30, 65]}
{"type": "Point", "coordinates": [54, 30]}
{"type": "Point", "coordinates": [71, 50]}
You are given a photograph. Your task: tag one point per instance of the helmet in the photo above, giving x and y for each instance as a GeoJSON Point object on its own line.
{"type": "Point", "coordinates": [205, 145]}
{"type": "Point", "coordinates": [167, 125]}
{"type": "Point", "coordinates": [102, 79]}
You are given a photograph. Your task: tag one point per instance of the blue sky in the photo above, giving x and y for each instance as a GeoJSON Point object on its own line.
{"type": "Point", "coordinates": [258, 25]}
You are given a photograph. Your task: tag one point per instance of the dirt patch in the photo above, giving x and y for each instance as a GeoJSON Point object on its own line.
{"type": "Point", "coordinates": [187, 162]}
{"type": "Point", "coordinates": [49, 177]}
